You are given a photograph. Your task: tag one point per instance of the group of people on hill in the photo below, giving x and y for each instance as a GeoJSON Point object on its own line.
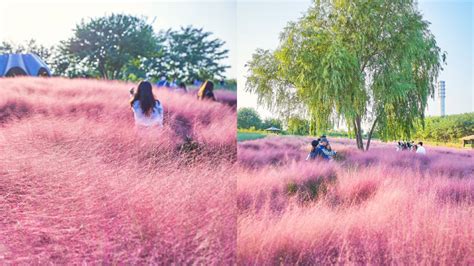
{"type": "Point", "coordinates": [411, 146]}
{"type": "Point", "coordinates": [148, 111]}
{"type": "Point", "coordinates": [320, 148]}
{"type": "Point", "coordinates": [180, 86]}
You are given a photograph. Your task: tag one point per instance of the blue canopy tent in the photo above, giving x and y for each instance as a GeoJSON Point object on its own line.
{"type": "Point", "coordinates": [12, 65]}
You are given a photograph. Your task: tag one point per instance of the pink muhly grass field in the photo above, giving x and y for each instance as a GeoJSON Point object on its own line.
{"type": "Point", "coordinates": [80, 185]}
{"type": "Point", "coordinates": [378, 207]}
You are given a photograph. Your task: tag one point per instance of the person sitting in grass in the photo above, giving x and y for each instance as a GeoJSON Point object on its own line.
{"type": "Point", "coordinates": [206, 91]}
{"type": "Point", "coordinates": [326, 151]}
{"type": "Point", "coordinates": [323, 150]}
{"type": "Point", "coordinates": [314, 147]}
{"type": "Point", "coordinates": [420, 149]}
{"type": "Point", "coordinates": [147, 110]}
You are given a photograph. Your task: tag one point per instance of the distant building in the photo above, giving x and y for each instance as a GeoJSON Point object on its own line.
{"type": "Point", "coordinates": [442, 97]}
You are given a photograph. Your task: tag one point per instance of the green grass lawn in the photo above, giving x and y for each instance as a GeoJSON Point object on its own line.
{"type": "Point", "coordinates": [242, 136]}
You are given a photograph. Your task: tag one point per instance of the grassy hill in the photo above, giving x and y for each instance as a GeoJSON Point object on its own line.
{"type": "Point", "coordinates": [378, 207]}
{"type": "Point", "coordinates": [80, 184]}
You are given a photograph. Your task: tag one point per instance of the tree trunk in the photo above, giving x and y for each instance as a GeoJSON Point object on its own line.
{"type": "Point", "coordinates": [369, 137]}
{"type": "Point", "coordinates": [359, 134]}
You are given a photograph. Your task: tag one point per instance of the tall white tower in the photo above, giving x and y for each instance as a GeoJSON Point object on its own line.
{"type": "Point", "coordinates": [442, 96]}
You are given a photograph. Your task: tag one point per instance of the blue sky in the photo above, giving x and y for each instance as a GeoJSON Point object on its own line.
{"type": "Point", "coordinates": [259, 25]}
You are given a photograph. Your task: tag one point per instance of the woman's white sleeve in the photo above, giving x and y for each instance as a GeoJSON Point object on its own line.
{"type": "Point", "coordinates": [160, 111]}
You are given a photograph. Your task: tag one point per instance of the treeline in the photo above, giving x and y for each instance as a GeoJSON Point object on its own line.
{"type": "Point", "coordinates": [446, 129]}
{"type": "Point", "coordinates": [248, 118]}
{"type": "Point", "coordinates": [127, 47]}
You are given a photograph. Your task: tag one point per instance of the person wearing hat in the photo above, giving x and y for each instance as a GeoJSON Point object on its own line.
{"type": "Point", "coordinates": [321, 148]}
{"type": "Point", "coordinates": [324, 149]}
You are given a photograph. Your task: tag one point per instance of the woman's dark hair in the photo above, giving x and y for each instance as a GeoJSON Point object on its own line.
{"type": "Point", "coordinates": [144, 94]}
{"type": "Point", "coordinates": [314, 144]}
{"type": "Point", "coordinates": [206, 90]}
{"type": "Point", "coordinates": [209, 86]}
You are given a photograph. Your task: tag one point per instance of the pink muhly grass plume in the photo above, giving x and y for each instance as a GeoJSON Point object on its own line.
{"type": "Point", "coordinates": [81, 185]}
{"type": "Point", "coordinates": [227, 97]}
{"type": "Point", "coordinates": [375, 207]}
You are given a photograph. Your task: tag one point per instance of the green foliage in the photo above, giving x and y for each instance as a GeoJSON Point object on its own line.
{"type": "Point", "coordinates": [126, 47]}
{"type": "Point", "coordinates": [343, 59]}
{"type": "Point", "coordinates": [110, 44]}
{"type": "Point", "coordinates": [247, 118]}
{"type": "Point", "coordinates": [229, 84]}
{"type": "Point", "coordinates": [445, 129]}
{"type": "Point", "coordinates": [190, 54]}
{"type": "Point", "coordinates": [30, 46]}
{"type": "Point", "coordinates": [334, 133]}
{"type": "Point", "coordinates": [311, 189]}
{"type": "Point", "coordinates": [298, 126]}
{"type": "Point", "coordinates": [63, 63]}
{"type": "Point", "coordinates": [271, 122]}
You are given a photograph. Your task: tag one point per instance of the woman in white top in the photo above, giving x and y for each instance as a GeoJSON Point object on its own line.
{"type": "Point", "coordinates": [420, 149]}
{"type": "Point", "coordinates": [147, 110]}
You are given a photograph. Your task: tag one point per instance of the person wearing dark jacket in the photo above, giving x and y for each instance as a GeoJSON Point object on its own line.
{"type": "Point", "coordinates": [321, 149]}
{"type": "Point", "coordinates": [324, 149]}
{"type": "Point", "coordinates": [314, 147]}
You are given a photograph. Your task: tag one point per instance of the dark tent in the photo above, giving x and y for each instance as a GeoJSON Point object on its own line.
{"type": "Point", "coordinates": [22, 65]}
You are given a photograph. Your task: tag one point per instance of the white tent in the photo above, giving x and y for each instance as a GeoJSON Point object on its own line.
{"type": "Point", "coordinates": [274, 129]}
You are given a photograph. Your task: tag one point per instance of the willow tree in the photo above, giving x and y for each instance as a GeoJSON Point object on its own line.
{"type": "Point", "coordinates": [371, 62]}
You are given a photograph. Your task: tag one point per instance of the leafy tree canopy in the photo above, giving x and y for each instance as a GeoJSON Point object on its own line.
{"type": "Point", "coordinates": [109, 44]}
{"type": "Point", "coordinates": [271, 122]}
{"type": "Point", "coordinates": [298, 126]}
{"type": "Point", "coordinates": [373, 61]}
{"type": "Point", "coordinates": [247, 118]}
{"type": "Point", "coordinates": [126, 47]}
{"type": "Point", "coordinates": [189, 54]}
{"type": "Point", "coordinates": [445, 129]}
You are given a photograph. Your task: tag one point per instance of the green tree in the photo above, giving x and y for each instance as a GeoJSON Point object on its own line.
{"type": "Point", "coordinates": [189, 54]}
{"type": "Point", "coordinates": [247, 118]}
{"type": "Point", "coordinates": [298, 126]}
{"type": "Point", "coordinates": [449, 128]}
{"type": "Point", "coordinates": [63, 63]}
{"type": "Point", "coordinates": [111, 44]}
{"type": "Point", "coordinates": [362, 61]}
{"type": "Point", "coordinates": [30, 46]}
{"type": "Point", "coordinates": [271, 122]}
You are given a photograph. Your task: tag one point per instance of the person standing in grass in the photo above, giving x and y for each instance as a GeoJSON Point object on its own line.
{"type": "Point", "coordinates": [206, 91]}
{"type": "Point", "coordinates": [420, 149]}
{"type": "Point", "coordinates": [147, 110]}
